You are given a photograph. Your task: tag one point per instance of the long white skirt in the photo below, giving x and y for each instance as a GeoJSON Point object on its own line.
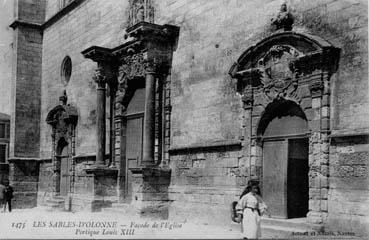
{"type": "Point", "coordinates": [251, 224]}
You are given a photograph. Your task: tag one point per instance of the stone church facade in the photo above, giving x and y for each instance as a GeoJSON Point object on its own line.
{"type": "Point", "coordinates": [169, 108]}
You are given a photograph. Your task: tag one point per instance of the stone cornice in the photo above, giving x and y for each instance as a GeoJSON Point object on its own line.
{"type": "Point", "coordinates": [42, 26]}
{"type": "Point", "coordinates": [344, 135]}
{"type": "Point", "coordinates": [16, 23]}
{"type": "Point", "coordinates": [23, 159]}
{"type": "Point", "coordinates": [98, 54]}
{"type": "Point", "coordinates": [64, 11]}
{"type": "Point", "coordinates": [206, 145]}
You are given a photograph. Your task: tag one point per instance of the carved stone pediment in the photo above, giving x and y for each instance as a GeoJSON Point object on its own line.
{"type": "Point", "coordinates": [63, 118]}
{"type": "Point", "coordinates": [64, 113]}
{"type": "Point", "coordinates": [278, 65]}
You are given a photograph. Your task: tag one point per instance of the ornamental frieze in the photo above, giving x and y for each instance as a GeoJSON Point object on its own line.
{"type": "Point", "coordinates": [133, 66]}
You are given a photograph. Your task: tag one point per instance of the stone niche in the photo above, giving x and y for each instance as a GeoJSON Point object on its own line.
{"type": "Point", "coordinates": [143, 62]}
{"type": "Point", "coordinates": [294, 69]}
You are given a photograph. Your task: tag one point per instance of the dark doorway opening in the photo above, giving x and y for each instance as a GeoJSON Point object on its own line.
{"type": "Point", "coordinates": [298, 178]}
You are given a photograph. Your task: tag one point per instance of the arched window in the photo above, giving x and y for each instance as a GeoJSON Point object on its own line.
{"type": "Point", "coordinates": [66, 70]}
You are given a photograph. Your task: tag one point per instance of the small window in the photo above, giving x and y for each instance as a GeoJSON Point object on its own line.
{"type": "Point", "coordinates": [2, 130]}
{"type": "Point", "coordinates": [66, 70]}
{"type": "Point", "coordinates": [2, 153]}
{"type": "Point", "coordinates": [7, 131]}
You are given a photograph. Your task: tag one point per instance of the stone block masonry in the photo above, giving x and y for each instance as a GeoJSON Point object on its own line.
{"type": "Point", "coordinates": [348, 195]}
{"type": "Point", "coordinates": [99, 23]}
{"type": "Point", "coordinates": [23, 177]}
{"type": "Point", "coordinates": [25, 124]}
{"type": "Point", "coordinates": [26, 101]}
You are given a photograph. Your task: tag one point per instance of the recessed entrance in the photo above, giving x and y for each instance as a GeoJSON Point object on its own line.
{"type": "Point", "coordinates": [63, 156]}
{"type": "Point", "coordinates": [285, 160]}
{"type": "Point", "coordinates": [297, 178]}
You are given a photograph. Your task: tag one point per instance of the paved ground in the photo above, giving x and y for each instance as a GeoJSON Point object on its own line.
{"type": "Point", "coordinates": [38, 223]}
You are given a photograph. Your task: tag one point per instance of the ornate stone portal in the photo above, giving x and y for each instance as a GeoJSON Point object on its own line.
{"type": "Point", "coordinates": [63, 120]}
{"type": "Point", "coordinates": [145, 60]}
{"type": "Point", "coordinates": [289, 67]}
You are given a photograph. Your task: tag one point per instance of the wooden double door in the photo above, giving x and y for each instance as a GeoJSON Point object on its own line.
{"type": "Point", "coordinates": [285, 177]}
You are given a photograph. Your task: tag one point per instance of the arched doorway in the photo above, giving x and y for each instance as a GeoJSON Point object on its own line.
{"type": "Point", "coordinates": [64, 159]}
{"type": "Point", "coordinates": [285, 151]}
{"type": "Point", "coordinates": [63, 120]}
{"type": "Point", "coordinates": [281, 70]}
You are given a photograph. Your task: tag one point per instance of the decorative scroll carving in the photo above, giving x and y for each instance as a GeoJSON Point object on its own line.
{"type": "Point", "coordinates": [316, 88]}
{"type": "Point", "coordinates": [133, 67]}
{"type": "Point", "coordinates": [247, 98]}
{"type": "Point", "coordinates": [99, 77]}
{"type": "Point", "coordinates": [62, 118]}
{"type": "Point", "coordinates": [277, 73]}
{"type": "Point", "coordinates": [284, 19]}
{"type": "Point", "coordinates": [140, 11]}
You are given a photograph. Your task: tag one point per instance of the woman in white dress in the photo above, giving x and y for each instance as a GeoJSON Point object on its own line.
{"type": "Point", "coordinates": [252, 207]}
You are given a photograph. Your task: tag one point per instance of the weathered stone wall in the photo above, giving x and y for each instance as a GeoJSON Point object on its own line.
{"type": "Point", "coordinates": [83, 185]}
{"type": "Point", "coordinates": [45, 183]}
{"type": "Point", "coordinates": [26, 92]}
{"type": "Point", "coordinates": [92, 22]}
{"type": "Point", "coordinates": [30, 10]}
{"type": "Point", "coordinates": [348, 195]}
{"type": "Point", "coordinates": [23, 177]}
{"type": "Point", "coordinates": [204, 179]}
{"type": "Point", "coordinates": [204, 100]}
{"type": "Point", "coordinates": [214, 34]}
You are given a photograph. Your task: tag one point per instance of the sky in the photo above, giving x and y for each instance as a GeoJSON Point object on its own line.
{"type": "Point", "coordinates": [6, 38]}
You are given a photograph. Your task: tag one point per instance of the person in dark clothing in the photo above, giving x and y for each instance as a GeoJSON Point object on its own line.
{"type": "Point", "coordinates": [8, 195]}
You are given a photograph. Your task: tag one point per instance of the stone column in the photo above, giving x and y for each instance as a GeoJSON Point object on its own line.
{"type": "Point", "coordinates": [100, 79]}
{"type": "Point", "coordinates": [318, 156]}
{"type": "Point", "coordinates": [149, 120]}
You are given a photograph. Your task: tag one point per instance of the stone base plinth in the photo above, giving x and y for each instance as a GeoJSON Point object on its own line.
{"type": "Point", "coordinates": [104, 189]}
{"type": "Point", "coordinates": [23, 177]}
{"type": "Point", "coordinates": [150, 192]}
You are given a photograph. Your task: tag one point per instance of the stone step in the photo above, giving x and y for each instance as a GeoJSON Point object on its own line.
{"type": "Point", "coordinates": [276, 231]}
{"type": "Point", "coordinates": [281, 228]}
{"type": "Point", "coordinates": [55, 203]}
{"type": "Point", "coordinates": [295, 223]}
{"type": "Point", "coordinates": [123, 209]}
